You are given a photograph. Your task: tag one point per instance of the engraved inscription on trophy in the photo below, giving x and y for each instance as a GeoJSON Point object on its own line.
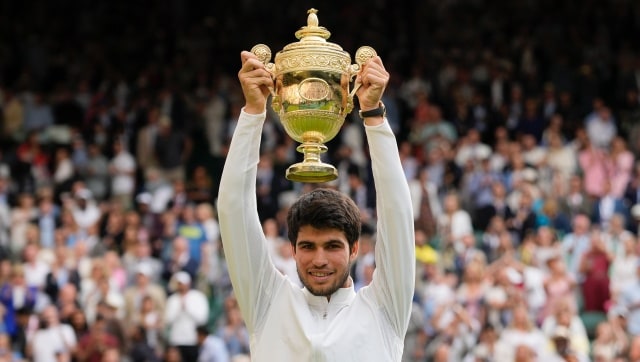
{"type": "Point", "coordinates": [314, 89]}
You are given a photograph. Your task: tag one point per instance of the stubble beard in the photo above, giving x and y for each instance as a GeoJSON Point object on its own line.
{"type": "Point", "coordinates": [328, 290]}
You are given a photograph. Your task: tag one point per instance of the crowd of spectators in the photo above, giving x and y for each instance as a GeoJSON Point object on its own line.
{"type": "Point", "coordinates": [519, 130]}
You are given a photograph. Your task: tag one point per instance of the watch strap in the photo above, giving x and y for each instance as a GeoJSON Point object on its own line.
{"type": "Point", "coordinates": [376, 112]}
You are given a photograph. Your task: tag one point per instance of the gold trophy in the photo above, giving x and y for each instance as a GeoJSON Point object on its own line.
{"type": "Point", "coordinates": [311, 94]}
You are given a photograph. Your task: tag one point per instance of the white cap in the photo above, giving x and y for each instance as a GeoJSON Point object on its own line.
{"type": "Point", "coordinates": [483, 154]}
{"type": "Point", "coordinates": [84, 194]}
{"type": "Point", "coordinates": [635, 211]}
{"type": "Point", "coordinates": [4, 171]}
{"type": "Point", "coordinates": [529, 174]}
{"type": "Point", "coordinates": [144, 269]}
{"type": "Point", "coordinates": [182, 277]}
{"type": "Point", "coordinates": [561, 332]}
{"type": "Point", "coordinates": [514, 276]}
{"type": "Point", "coordinates": [144, 198]}
{"type": "Point", "coordinates": [113, 301]}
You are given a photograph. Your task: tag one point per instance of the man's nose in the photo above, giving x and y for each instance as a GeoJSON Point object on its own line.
{"type": "Point", "coordinates": [319, 258]}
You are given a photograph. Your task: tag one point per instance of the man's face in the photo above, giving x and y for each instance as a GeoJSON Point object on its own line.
{"type": "Point", "coordinates": [323, 259]}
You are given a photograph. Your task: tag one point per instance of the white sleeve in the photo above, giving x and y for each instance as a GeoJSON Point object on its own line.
{"type": "Point", "coordinates": [172, 310]}
{"type": "Point", "coordinates": [252, 274]}
{"type": "Point", "coordinates": [394, 278]}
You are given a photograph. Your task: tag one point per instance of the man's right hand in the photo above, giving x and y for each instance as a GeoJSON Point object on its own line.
{"type": "Point", "coordinates": [255, 81]}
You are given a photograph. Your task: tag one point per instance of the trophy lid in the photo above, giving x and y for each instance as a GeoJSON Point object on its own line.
{"type": "Point", "coordinates": [313, 35]}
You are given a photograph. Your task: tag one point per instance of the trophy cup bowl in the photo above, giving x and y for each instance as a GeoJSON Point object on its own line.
{"type": "Point", "coordinates": [311, 94]}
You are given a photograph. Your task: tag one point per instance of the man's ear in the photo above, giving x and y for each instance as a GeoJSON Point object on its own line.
{"type": "Point", "coordinates": [354, 250]}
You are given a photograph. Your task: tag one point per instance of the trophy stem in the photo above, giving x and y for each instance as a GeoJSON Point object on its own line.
{"type": "Point", "coordinates": [311, 169]}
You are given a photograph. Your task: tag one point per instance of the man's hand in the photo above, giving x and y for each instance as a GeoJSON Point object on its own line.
{"type": "Point", "coordinates": [374, 79]}
{"type": "Point", "coordinates": [255, 81]}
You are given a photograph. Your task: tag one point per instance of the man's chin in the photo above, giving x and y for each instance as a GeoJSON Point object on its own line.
{"type": "Point", "coordinates": [321, 291]}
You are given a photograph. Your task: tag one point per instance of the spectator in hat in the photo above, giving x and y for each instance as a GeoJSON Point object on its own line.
{"type": "Point", "coordinates": [185, 310]}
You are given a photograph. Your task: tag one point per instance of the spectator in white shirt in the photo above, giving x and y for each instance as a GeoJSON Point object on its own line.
{"type": "Point", "coordinates": [53, 340]}
{"type": "Point", "coordinates": [122, 168]}
{"type": "Point", "coordinates": [186, 309]}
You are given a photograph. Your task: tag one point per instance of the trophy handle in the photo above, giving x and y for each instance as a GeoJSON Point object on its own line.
{"type": "Point", "coordinates": [263, 52]}
{"type": "Point", "coordinates": [363, 54]}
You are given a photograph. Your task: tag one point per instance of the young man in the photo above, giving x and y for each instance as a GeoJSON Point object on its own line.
{"type": "Point", "coordinates": [326, 320]}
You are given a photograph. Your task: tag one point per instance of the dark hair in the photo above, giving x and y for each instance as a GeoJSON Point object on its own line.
{"type": "Point", "coordinates": [324, 209]}
{"type": "Point", "coordinates": [202, 330]}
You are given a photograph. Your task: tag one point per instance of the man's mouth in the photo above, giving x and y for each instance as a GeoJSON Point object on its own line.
{"type": "Point", "coordinates": [320, 276]}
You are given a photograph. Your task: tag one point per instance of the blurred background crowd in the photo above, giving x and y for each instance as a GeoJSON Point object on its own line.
{"type": "Point", "coordinates": [519, 130]}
